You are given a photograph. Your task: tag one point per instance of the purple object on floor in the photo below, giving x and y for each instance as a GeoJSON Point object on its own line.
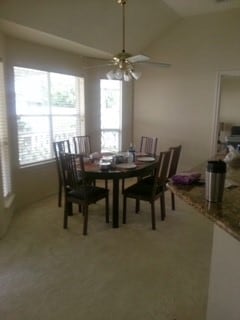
{"type": "Point", "coordinates": [186, 178]}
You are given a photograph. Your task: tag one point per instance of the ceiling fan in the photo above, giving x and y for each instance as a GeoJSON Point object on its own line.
{"type": "Point", "coordinates": [123, 62]}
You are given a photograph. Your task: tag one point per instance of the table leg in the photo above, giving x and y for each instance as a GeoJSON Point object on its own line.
{"type": "Point", "coordinates": [115, 204]}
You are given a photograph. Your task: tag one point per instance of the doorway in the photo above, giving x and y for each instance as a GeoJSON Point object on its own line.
{"type": "Point", "coordinates": [227, 108]}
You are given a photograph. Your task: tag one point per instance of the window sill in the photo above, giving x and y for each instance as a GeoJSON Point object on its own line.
{"type": "Point", "coordinates": [37, 164]}
{"type": "Point", "coordinates": [8, 201]}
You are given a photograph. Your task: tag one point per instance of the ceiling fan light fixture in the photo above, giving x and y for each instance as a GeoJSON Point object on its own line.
{"type": "Point", "coordinates": [127, 76]}
{"type": "Point", "coordinates": [110, 75]}
{"type": "Point", "coordinates": [118, 74]}
{"type": "Point", "coordinates": [123, 72]}
{"type": "Point", "coordinates": [136, 74]}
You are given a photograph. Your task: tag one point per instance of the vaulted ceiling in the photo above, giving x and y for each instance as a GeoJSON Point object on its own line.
{"type": "Point", "coordinates": [93, 27]}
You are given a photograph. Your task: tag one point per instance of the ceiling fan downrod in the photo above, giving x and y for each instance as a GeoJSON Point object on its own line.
{"type": "Point", "coordinates": [123, 3]}
{"type": "Point", "coordinates": [123, 68]}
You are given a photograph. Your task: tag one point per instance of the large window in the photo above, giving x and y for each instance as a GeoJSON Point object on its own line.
{"type": "Point", "coordinates": [111, 115]}
{"type": "Point", "coordinates": [49, 107]}
{"type": "Point", "coordinates": [4, 146]}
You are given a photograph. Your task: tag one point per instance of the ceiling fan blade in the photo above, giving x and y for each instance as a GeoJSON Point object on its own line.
{"type": "Point", "coordinates": [138, 58]}
{"type": "Point", "coordinates": [97, 66]}
{"type": "Point", "coordinates": [155, 63]}
{"type": "Point", "coordinates": [142, 59]}
{"type": "Point", "coordinates": [123, 62]}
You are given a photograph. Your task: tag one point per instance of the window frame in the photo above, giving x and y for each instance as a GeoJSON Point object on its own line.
{"type": "Point", "coordinates": [112, 129]}
{"type": "Point", "coordinates": [5, 166]}
{"type": "Point", "coordinates": [78, 114]}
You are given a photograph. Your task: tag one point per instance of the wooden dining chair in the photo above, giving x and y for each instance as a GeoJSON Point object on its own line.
{"type": "Point", "coordinates": [82, 145]}
{"type": "Point", "coordinates": [148, 146]}
{"type": "Point", "coordinates": [150, 189]}
{"type": "Point", "coordinates": [82, 193]}
{"type": "Point", "coordinates": [173, 164]}
{"type": "Point", "coordinates": [60, 146]}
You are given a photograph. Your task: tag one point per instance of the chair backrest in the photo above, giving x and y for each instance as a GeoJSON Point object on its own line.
{"type": "Point", "coordinates": [174, 159]}
{"type": "Point", "coordinates": [148, 145]}
{"type": "Point", "coordinates": [73, 170]}
{"type": "Point", "coordinates": [61, 146]}
{"type": "Point", "coordinates": [161, 170]}
{"type": "Point", "coordinates": [163, 164]}
{"type": "Point", "coordinates": [82, 145]}
{"type": "Point", "coordinates": [58, 147]}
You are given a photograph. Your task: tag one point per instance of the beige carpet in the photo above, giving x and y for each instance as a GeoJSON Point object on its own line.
{"type": "Point", "coordinates": [131, 273]}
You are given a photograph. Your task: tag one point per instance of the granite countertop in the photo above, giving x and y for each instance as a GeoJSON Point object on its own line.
{"type": "Point", "coordinates": [225, 214]}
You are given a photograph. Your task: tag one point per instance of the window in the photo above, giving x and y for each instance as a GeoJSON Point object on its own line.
{"type": "Point", "coordinates": [111, 115]}
{"type": "Point", "coordinates": [49, 107]}
{"type": "Point", "coordinates": [4, 147]}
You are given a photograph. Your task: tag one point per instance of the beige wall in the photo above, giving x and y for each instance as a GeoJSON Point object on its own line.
{"type": "Point", "coordinates": [177, 104]}
{"type": "Point", "coordinates": [36, 182]}
{"type": "Point", "coordinates": [2, 45]}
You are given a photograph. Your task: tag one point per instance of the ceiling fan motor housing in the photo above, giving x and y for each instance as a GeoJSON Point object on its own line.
{"type": "Point", "coordinates": [122, 2]}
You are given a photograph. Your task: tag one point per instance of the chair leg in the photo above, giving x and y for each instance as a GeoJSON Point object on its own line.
{"type": "Point", "coordinates": [153, 216]}
{"type": "Point", "coordinates": [123, 185]}
{"type": "Point", "coordinates": [124, 209]}
{"type": "Point", "coordinates": [59, 194]}
{"type": "Point", "coordinates": [85, 219]}
{"type": "Point", "coordinates": [106, 184]}
{"type": "Point", "coordinates": [70, 209]}
{"type": "Point", "coordinates": [163, 208]}
{"type": "Point", "coordinates": [107, 209]}
{"type": "Point", "coordinates": [137, 206]}
{"type": "Point", "coordinates": [65, 217]}
{"type": "Point", "coordinates": [173, 201]}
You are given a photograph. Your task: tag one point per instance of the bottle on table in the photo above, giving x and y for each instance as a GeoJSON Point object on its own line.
{"type": "Point", "coordinates": [131, 153]}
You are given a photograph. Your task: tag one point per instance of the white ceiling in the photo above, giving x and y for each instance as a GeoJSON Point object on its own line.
{"type": "Point", "coordinates": [49, 40]}
{"type": "Point", "coordinates": [93, 27]}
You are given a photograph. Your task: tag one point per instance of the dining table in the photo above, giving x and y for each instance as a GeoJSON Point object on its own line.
{"type": "Point", "coordinates": [142, 166]}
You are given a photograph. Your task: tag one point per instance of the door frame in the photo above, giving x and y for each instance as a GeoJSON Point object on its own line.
{"type": "Point", "coordinates": [217, 103]}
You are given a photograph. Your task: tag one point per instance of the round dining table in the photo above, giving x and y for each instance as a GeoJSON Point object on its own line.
{"type": "Point", "coordinates": [119, 171]}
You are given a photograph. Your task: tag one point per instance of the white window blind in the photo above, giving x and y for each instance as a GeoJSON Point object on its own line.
{"type": "Point", "coordinates": [49, 107]}
{"type": "Point", "coordinates": [4, 146]}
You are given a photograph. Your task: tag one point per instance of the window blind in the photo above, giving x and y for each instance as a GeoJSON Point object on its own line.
{"type": "Point", "coordinates": [49, 107]}
{"type": "Point", "coordinates": [4, 146]}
